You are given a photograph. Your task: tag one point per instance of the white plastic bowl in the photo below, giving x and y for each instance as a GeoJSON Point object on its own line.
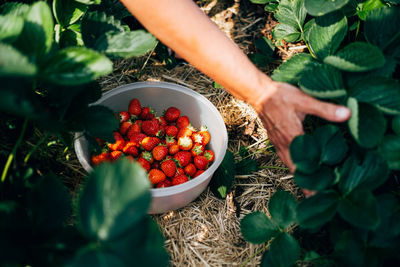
{"type": "Point", "coordinates": [160, 96]}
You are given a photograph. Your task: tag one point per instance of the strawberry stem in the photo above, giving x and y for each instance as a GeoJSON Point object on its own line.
{"type": "Point", "coordinates": [33, 150]}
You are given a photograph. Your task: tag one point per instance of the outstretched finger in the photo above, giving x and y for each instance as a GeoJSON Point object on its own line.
{"type": "Point", "coordinates": [324, 110]}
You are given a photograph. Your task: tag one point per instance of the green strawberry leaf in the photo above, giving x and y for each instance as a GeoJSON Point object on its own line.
{"type": "Point", "coordinates": [10, 28]}
{"type": "Point", "coordinates": [292, 69]}
{"type": "Point", "coordinates": [332, 143]}
{"type": "Point", "coordinates": [318, 209]}
{"type": "Point", "coordinates": [99, 121]}
{"type": "Point", "coordinates": [360, 209]}
{"type": "Point", "coordinates": [357, 57]}
{"type": "Point", "coordinates": [322, 81]}
{"type": "Point", "coordinates": [305, 153]}
{"type": "Point", "coordinates": [261, 2]}
{"type": "Point", "coordinates": [246, 166]}
{"type": "Point", "coordinates": [75, 65]}
{"type": "Point", "coordinates": [322, 7]}
{"type": "Point", "coordinates": [221, 183]}
{"type": "Point", "coordinates": [265, 46]}
{"type": "Point", "coordinates": [257, 228]}
{"type": "Point", "coordinates": [126, 44]}
{"type": "Point", "coordinates": [319, 180]}
{"type": "Point", "coordinates": [396, 124]}
{"type": "Point", "coordinates": [382, 92]}
{"type": "Point", "coordinates": [365, 8]}
{"type": "Point", "coordinates": [14, 9]}
{"type": "Point", "coordinates": [369, 174]}
{"type": "Point", "coordinates": [285, 32]}
{"type": "Point", "coordinates": [14, 63]}
{"type": "Point", "coordinates": [367, 124]}
{"type": "Point", "coordinates": [284, 250]}
{"type": "Point", "coordinates": [282, 207]}
{"type": "Point", "coordinates": [114, 199]}
{"type": "Point", "coordinates": [68, 12]}
{"type": "Point", "coordinates": [390, 151]}
{"type": "Point", "coordinates": [292, 13]}
{"type": "Point", "coordinates": [327, 33]}
{"type": "Point", "coordinates": [93, 256]}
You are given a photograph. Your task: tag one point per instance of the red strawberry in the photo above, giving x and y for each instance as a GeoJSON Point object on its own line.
{"type": "Point", "coordinates": [119, 142]}
{"type": "Point", "coordinates": [171, 130]}
{"type": "Point", "coordinates": [180, 179]}
{"type": "Point", "coordinates": [201, 162]}
{"type": "Point", "coordinates": [163, 184]}
{"type": "Point", "coordinates": [114, 155]}
{"type": "Point", "coordinates": [136, 137]}
{"type": "Point", "coordinates": [184, 132]}
{"type": "Point", "coordinates": [182, 122]}
{"type": "Point", "coordinates": [205, 135]}
{"type": "Point", "coordinates": [156, 176]}
{"type": "Point", "coordinates": [197, 150]}
{"type": "Point", "coordinates": [149, 142]}
{"type": "Point", "coordinates": [147, 113]}
{"type": "Point", "coordinates": [209, 154]}
{"type": "Point", "coordinates": [147, 156]}
{"type": "Point", "coordinates": [134, 128]}
{"type": "Point", "coordinates": [134, 107]}
{"type": "Point", "coordinates": [172, 150]}
{"type": "Point", "coordinates": [123, 116]}
{"type": "Point", "coordinates": [162, 121]}
{"type": "Point", "coordinates": [159, 152]}
{"type": "Point", "coordinates": [102, 157]}
{"type": "Point", "coordinates": [168, 167]}
{"type": "Point", "coordinates": [179, 171]}
{"type": "Point", "coordinates": [150, 127]}
{"type": "Point", "coordinates": [185, 143]}
{"type": "Point", "coordinates": [144, 163]}
{"type": "Point", "coordinates": [183, 157]}
{"type": "Point", "coordinates": [172, 114]}
{"type": "Point", "coordinates": [130, 148]}
{"type": "Point", "coordinates": [161, 132]}
{"type": "Point", "coordinates": [190, 169]}
{"type": "Point", "coordinates": [169, 141]}
{"type": "Point", "coordinates": [123, 129]}
{"type": "Point", "coordinates": [156, 165]}
{"type": "Point", "coordinates": [99, 141]}
{"type": "Point", "coordinates": [198, 173]}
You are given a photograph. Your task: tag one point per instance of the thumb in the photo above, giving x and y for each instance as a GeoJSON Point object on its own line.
{"type": "Point", "coordinates": [328, 111]}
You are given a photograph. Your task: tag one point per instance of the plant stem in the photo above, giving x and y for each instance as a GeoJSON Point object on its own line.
{"type": "Point", "coordinates": [33, 150]}
{"type": "Point", "coordinates": [309, 50]}
{"type": "Point", "coordinates": [253, 256]}
{"type": "Point", "coordinates": [14, 151]}
{"type": "Point", "coordinates": [358, 28]}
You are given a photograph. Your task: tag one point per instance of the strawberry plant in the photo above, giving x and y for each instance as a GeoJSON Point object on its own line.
{"type": "Point", "coordinates": [353, 167]}
{"type": "Point", "coordinates": [50, 59]}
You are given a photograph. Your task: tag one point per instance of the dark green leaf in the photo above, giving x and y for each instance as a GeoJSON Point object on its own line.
{"type": "Point", "coordinates": [96, 257]}
{"type": "Point", "coordinates": [95, 24]}
{"type": "Point", "coordinates": [317, 210]}
{"type": "Point", "coordinates": [322, 81]}
{"type": "Point", "coordinates": [50, 204]}
{"type": "Point", "coordinates": [265, 46]}
{"type": "Point", "coordinates": [368, 174]}
{"type": "Point", "coordinates": [282, 207]}
{"type": "Point", "coordinates": [115, 198]}
{"type": "Point", "coordinates": [14, 8]}
{"type": "Point", "coordinates": [257, 228]}
{"type": "Point", "coordinates": [307, 29]}
{"type": "Point", "coordinates": [332, 143]}
{"type": "Point", "coordinates": [13, 63]}
{"type": "Point", "coordinates": [305, 153]}
{"type": "Point", "coordinates": [260, 1]}
{"type": "Point", "coordinates": [367, 124]}
{"type": "Point", "coordinates": [360, 209]}
{"type": "Point", "coordinates": [320, 179]}
{"type": "Point", "coordinates": [260, 59]}
{"type": "Point", "coordinates": [311, 255]}
{"type": "Point", "coordinates": [349, 251]}
{"type": "Point", "coordinates": [68, 12]}
{"type": "Point", "coordinates": [381, 26]}
{"type": "Point", "coordinates": [142, 245]}
{"type": "Point", "coordinates": [76, 65]}
{"type": "Point", "coordinates": [221, 183]}
{"type": "Point", "coordinates": [271, 7]}
{"type": "Point", "coordinates": [382, 92]}
{"type": "Point", "coordinates": [285, 32]}
{"type": "Point", "coordinates": [327, 34]}
{"type": "Point", "coordinates": [284, 250]}
{"type": "Point", "coordinates": [390, 151]}
{"type": "Point", "coordinates": [322, 7]}
{"type": "Point", "coordinates": [292, 13]}
{"type": "Point", "coordinates": [126, 44]}
{"type": "Point", "coordinates": [365, 8]}
{"type": "Point", "coordinates": [246, 166]}
{"type": "Point", "coordinates": [356, 57]}
{"type": "Point", "coordinates": [36, 38]}
{"type": "Point", "coordinates": [10, 28]}
{"type": "Point", "coordinates": [396, 124]}
{"type": "Point", "coordinates": [291, 70]}
{"type": "Point", "coordinates": [70, 38]}
{"type": "Point", "coordinates": [100, 121]}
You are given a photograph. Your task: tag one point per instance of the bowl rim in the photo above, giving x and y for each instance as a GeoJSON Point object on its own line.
{"type": "Point", "coordinates": [167, 191]}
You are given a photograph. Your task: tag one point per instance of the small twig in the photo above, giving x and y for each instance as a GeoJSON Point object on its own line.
{"type": "Point", "coordinates": [251, 24]}
{"type": "Point", "coordinates": [147, 59]}
{"type": "Point", "coordinates": [298, 47]}
{"type": "Point", "coordinates": [274, 167]}
{"type": "Point", "coordinates": [33, 150]}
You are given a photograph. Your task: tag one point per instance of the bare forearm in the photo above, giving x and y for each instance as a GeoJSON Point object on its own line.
{"type": "Point", "coordinates": [182, 26]}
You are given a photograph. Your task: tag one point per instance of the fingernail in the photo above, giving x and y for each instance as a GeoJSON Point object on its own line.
{"type": "Point", "coordinates": [342, 113]}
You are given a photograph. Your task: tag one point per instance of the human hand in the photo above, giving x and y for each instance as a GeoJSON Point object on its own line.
{"type": "Point", "coordinates": [283, 110]}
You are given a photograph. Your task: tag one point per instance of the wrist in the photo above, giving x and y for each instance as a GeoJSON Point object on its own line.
{"type": "Point", "coordinates": [263, 91]}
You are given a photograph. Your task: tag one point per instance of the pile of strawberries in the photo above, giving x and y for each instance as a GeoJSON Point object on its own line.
{"type": "Point", "coordinates": [168, 147]}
